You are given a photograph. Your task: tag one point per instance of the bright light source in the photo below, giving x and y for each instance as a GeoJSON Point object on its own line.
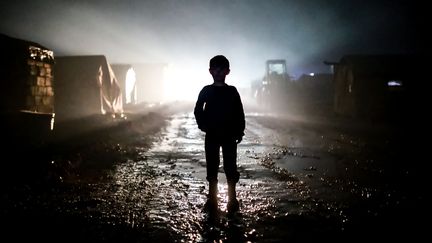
{"type": "Point", "coordinates": [312, 74]}
{"type": "Point", "coordinates": [130, 86]}
{"type": "Point", "coordinates": [52, 122]}
{"type": "Point", "coordinates": [394, 83]}
{"type": "Point", "coordinates": [183, 84]}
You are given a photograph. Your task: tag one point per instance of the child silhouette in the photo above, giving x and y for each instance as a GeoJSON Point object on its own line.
{"type": "Point", "coordinates": [219, 113]}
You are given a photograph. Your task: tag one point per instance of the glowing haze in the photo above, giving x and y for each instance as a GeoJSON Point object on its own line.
{"type": "Point", "coordinates": [186, 34]}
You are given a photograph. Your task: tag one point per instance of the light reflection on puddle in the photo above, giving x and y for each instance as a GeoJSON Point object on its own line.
{"type": "Point", "coordinates": [170, 186]}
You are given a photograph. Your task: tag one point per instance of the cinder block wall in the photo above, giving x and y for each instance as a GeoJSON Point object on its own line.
{"type": "Point", "coordinates": [40, 97]}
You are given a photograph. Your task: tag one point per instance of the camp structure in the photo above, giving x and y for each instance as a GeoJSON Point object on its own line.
{"type": "Point", "coordinates": [376, 86]}
{"type": "Point", "coordinates": [27, 102]}
{"type": "Point", "coordinates": [126, 77]}
{"type": "Point", "coordinates": [85, 86]}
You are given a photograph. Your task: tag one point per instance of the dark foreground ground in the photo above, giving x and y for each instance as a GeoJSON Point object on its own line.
{"type": "Point", "coordinates": [143, 180]}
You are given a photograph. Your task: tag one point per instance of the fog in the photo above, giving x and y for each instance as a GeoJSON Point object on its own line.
{"type": "Point", "coordinates": [187, 33]}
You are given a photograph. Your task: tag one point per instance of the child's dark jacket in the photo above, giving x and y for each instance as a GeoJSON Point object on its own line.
{"type": "Point", "coordinates": [219, 111]}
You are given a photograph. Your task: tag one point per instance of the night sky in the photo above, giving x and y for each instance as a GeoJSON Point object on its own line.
{"type": "Point", "coordinates": [188, 33]}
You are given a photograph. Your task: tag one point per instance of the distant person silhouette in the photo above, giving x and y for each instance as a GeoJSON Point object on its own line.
{"type": "Point", "coordinates": [219, 113]}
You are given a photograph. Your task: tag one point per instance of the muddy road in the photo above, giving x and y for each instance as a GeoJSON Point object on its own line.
{"type": "Point", "coordinates": [300, 180]}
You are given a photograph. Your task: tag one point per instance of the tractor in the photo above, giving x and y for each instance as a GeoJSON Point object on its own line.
{"type": "Point", "coordinates": [275, 83]}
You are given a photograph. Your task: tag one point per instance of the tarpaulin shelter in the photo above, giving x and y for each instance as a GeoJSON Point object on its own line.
{"type": "Point", "coordinates": [126, 77]}
{"type": "Point", "coordinates": [85, 86]}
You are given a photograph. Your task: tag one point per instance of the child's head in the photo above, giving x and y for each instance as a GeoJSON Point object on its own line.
{"type": "Point", "coordinates": [219, 68]}
{"type": "Point", "coordinates": [219, 61]}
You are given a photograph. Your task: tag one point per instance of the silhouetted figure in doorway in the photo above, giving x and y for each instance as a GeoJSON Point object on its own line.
{"type": "Point", "coordinates": [219, 113]}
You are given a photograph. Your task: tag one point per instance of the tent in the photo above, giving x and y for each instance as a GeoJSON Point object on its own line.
{"type": "Point", "coordinates": [377, 86]}
{"type": "Point", "coordinates": [85, 86]}
{"type": "Point", "coordinates": [126, 76]}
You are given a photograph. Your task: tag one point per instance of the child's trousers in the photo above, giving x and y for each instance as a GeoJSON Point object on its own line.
{"type": "Point", "coordinates": [213, 143]}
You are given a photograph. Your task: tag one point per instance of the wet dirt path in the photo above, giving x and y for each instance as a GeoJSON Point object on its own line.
{"type": "Point", "coordinates": [166, 188]}
{"type": "Point", "coordinates": [297, 182]}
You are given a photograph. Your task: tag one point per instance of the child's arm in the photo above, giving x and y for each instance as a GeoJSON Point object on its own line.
{"type": "Point", "coordinates": [199, 111]}
{"type": "Point", "coordinates": [240, 121]}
